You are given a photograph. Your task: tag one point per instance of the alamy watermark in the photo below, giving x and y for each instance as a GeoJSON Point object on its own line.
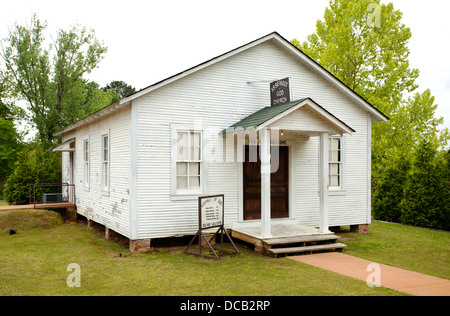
{"type": "Point", "coordinates": [374, 16]}
{"type": "Point", "coordinates": [74, 279]}
{"type": "Point", "coordinates": [374, 278]}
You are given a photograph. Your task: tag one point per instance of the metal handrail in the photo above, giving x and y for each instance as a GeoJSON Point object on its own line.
{"type": "Point", "coordinates": [70, 191]}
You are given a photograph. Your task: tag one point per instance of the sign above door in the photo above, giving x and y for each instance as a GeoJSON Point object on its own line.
{"type": "Point", "coordinates": [280, 92]}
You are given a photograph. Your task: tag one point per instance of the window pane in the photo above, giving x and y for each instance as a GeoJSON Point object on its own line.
{"type": "Point", "coordinates": [182, 168]}
{"type": "Point", "coordinates": [182, 139]}
{"type": "Point", "coordinates": [105, 148]}
{"type": "Point", "coordinates": [334, 143]}
{"type": "Point", "coordinates": [334, 181]}
{"type": "Point", "coordinates": [195, 139]}
{"type": "Point", "coordinates": [183, 153]}
{"type": "Point", "coordinates": [105, 175]}
{"type": "Point", "coordinates": [195, 153]}
{"type": "Point", "coordinates": [182, 183]}
{"type": "Point", "coordinates": [194, 169]}
{"type": "Point", "coordinates": [334, 168]}
{"type": "Point", "coordinates": [194, 182]}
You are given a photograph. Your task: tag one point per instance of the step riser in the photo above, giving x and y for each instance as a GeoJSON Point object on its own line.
{"type": "Point", "coordinates": [293, 250]}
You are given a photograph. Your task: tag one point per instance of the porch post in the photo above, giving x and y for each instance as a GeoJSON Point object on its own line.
{"type": "Point", "coordinates": [264, 137]}
{"type": "Point", "coordinates": [323, 182]}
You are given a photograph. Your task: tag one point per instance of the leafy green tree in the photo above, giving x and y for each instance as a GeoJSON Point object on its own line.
{"type": "Point", "coordinates": [46, 75]}
{"type": "Point", "coordinates": [10, 139]}
{"type": "Point", "coordinates": [371, 59]}
{"type": "Point", "coordinates": [389, 194]}
{"type": "Point", "coordinates": [365, 45]}
{"type": "Point", "coordinates": [426, 193]}
{"type": "Point", "coordinates": [33, 165]}
{"type": "Point", "coordinates": [9, 146]}
{"type": "Point", "coordinates": [121, 89]}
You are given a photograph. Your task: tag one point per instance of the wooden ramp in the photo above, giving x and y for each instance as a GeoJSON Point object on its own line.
{"type": "Point", "coordinates": [37, 206]}
{"type": "Point", "coordinates": [289, 239]}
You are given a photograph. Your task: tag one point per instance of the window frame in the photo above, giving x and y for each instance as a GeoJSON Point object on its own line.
{"type": "Point", "coordinates": [339, 189]}
{"type": "Point", "coordinates": [187, 194]}
{"type": "Point", "coordinates": [86, 163]}
{"type": "Point", "coordinates": [105, 164]}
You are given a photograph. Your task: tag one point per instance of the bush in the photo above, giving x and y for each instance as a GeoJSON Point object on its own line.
{"type": "Point", "coordinates": [426, 200]}
{"type": "Point", "coordinates": [389, 191]}
{"type": "Point", "coordinates": [34, 165]}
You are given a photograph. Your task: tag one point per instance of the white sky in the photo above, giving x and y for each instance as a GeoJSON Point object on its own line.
{"type": "Point", "coordinates": [151, 40]}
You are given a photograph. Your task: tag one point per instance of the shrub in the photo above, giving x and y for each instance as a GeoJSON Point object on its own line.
{"type": "Point", "coordinates": [388, 193]}
{"type": "Point", "coordinates": [34, 165]}
{"type": "Point", "coordinates": [426, 194]}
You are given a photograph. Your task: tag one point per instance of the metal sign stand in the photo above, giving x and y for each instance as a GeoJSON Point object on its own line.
{"type": "Point", "coordinates": [213, 218]}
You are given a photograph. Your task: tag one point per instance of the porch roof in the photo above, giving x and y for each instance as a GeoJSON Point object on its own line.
{"type": "Point", "coordinates": [64, 146]}
{"type": "Point", "coordinates": [270, 114]}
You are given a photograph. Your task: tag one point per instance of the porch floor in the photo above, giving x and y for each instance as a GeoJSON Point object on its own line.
{"type": "Point", "coordinates": [281, 231]}
{"type": "Point", "coordinates": [288, 239]}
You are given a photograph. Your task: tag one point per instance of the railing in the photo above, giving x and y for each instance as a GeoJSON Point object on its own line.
{"type": "Point", "coordinates": [65, 193]}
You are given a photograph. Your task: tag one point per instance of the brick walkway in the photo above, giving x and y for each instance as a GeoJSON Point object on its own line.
{"type": "Point", "coordinates": [394, 278]}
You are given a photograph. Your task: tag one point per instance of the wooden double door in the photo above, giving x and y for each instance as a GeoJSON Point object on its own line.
{"type": "Point", "coordinates": [279, 183]}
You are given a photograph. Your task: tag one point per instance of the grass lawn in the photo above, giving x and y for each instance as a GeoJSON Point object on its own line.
{"type": "Point", "coordinates": [34, 262]}
{"type": "Point", "coordinates": [412, 248]}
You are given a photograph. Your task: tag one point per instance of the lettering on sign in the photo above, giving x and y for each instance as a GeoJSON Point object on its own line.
{"type": "Point", "coordinates": [280, 92]}
{"type": "Point", "coordinates": [211, 211]}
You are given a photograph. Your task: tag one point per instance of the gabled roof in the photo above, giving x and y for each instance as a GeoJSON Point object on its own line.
{"type": "Point", "coordinates": [271, 114]}
{"type": "Point", "coordinates": [376, 114]}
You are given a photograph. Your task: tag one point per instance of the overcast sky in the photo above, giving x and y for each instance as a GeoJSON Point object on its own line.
{"type": "Point", "coordinates": [152, 40]}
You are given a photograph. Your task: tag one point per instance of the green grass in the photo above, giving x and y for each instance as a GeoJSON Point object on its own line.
{"type": "Point", "coordinates": [412, 248]}
{"type": "Point", "coordinates": [34, 262]}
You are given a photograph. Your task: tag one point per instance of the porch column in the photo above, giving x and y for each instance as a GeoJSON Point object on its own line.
{"type": "Point", "coordinates": [264, 138]}
{"type": "Point", "coordinates": [323, 182]}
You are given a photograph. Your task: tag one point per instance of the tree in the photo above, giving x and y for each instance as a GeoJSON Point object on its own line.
{"type": "Point", "coordinates": [365, 45]}
{"type": "Point", "coordinates": [45, 75]}
{"type": "Point", "coordinates": [34, 165]}
{"type": "Point", "coordinates": [121, 88]}
{"type": "Point", "coordinates": [9, 146]}
{"type": "Point", "coordinates": [10, 140]}
{"type": "Point", "coordinates": [389, 194]}
{"type": "Point", "coordinates": [426, 192]}
{"type": "Point", "coordinates": [371, 59]}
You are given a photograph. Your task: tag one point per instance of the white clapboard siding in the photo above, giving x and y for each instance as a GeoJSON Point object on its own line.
{"type": "Point", "coordinates": [217, 97]}
{"type": "Point", "coordinates": [111, 210]}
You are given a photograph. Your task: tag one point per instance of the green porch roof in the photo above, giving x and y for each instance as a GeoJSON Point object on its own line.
{"type": "Point", "coordinates": [263, 115]}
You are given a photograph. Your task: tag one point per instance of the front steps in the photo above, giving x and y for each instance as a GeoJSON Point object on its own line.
{"type": "Point", "coordinates": [305, 241]}
{"type": "Point", "coordinates": [302, 245]}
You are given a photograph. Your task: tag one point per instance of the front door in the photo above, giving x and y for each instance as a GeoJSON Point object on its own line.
{"type": "Point", "coordinates": [279, 184]}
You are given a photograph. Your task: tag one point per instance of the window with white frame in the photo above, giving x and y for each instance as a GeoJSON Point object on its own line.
{"type": "Point", "coordinates": [335, 165]}
{"type": "Point", "coordinates": [86, 163]}
{"type": "Point", "coordinates": [105, 162]}
{"type": "Point", "coordinates": [188, 162]}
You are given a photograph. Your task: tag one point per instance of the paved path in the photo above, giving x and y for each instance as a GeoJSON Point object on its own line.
{"type": "Point", "coordinates": [394, 278]}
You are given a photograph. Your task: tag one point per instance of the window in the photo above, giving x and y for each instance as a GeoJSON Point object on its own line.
{"type": "Point", "coordinates": [335, 163]}
{"type": "Point", "coordinates": [105, 163]}
{"type": "Point", "coordinates": [188, 162]}
{"type": "Point", "coordinates": [86, 163]}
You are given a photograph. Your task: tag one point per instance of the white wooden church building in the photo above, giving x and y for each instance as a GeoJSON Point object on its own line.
{"type": "Point", "coordinates": [140, 164]}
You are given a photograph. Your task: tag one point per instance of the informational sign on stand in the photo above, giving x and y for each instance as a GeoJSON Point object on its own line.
{"type": "Point", "coordinates": [211, 215]}
{"type": "Point", "coordinates": [211, 210]}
